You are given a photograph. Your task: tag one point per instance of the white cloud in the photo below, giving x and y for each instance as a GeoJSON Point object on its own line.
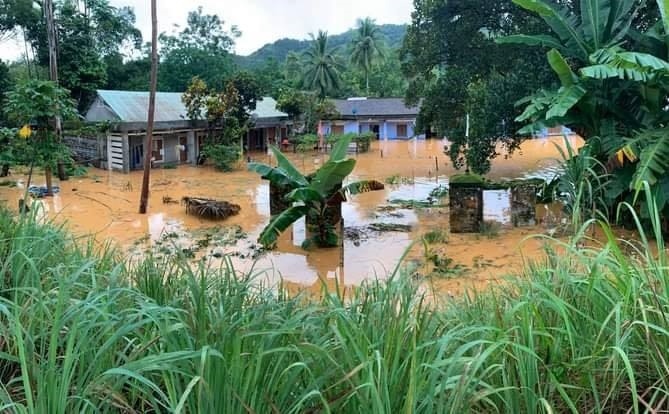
{"type": "Point", "coordinates": [264, 21]}
{"type": "Point", "coordinates": [261, 21]}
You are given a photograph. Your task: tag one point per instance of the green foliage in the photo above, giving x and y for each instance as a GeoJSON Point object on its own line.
{"type": "Point", "coordinates": [316, 195]}
{"type": "Point", "coordinates": [292, 102]}
{"type": "Point", "coordinates": [88, 31]}
{"type": "Point", "coordinates": [203, 49]}
{"type": "Point", "coordinates": [84, 330]}
{"type": "Point", "coordinates": [224, 157]}
{"type": "Point", "coordinates": [281, 49]}
{"type": "Point", "coordinates": [367, 47]}
{"type": "Point", "coordinates": [322, 67]}
{"type": "Point", "coordinates": [455, 68]}
{"type": "Point", "coordinates": [613, 96]}
{"type": "Point", "coordinates": [38, 102]}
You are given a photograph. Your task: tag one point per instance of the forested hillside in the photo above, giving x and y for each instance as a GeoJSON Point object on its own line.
{"type": "Point", "coordinates": [392, 33]}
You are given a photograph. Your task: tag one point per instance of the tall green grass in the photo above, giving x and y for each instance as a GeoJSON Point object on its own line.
{"type": "Point", "coordinates": [584, 330]}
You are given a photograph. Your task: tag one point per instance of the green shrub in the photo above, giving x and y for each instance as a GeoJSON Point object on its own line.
{"type": "Point", "coordinates": [224, 157]}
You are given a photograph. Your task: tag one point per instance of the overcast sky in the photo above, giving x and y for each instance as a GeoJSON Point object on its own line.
{"type": "Point", "coordinates": [261, 21]}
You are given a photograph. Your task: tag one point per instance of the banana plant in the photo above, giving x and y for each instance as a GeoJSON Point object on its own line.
{"type": "Point", "coordinates": [315, 196]}
{"type": "Point", "coordinates": [614, 84]}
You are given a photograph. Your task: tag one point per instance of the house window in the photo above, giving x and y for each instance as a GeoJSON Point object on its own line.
{"type": "Point", "coordinates": [402, 130]}
{"type": "Point", "coordinates": [337, 129]}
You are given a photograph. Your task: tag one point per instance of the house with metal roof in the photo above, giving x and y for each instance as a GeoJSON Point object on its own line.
{"type": "Point", "coordinates": [176, 138]}
{"type": "Point", "coordinates": [388, 118]}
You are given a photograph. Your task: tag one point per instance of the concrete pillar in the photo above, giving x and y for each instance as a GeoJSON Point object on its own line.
{"type": "Point", "coordinates": [109, 152]}
{"type": "Point", "coordinates": [126, 152]}
{"type": "Point", "coordinates": [523, 205]}
{"type": "Point", "coordinates": [277, 202]}
{"type": "Point", "coordinates": [466, 207]}
{"type": "Point", "coordinates": [385, 130]}
{"type": "Point", "coordinates": [190, 144]}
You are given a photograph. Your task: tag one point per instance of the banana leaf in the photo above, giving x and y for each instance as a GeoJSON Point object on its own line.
{"type": "Point", "coordinates": [279, 224]}
{"type": "Point", "coordinates": [330, 175]}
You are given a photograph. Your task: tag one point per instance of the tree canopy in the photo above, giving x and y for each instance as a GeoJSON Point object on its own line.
{"type": "Point", "coordinates": [455, 67]}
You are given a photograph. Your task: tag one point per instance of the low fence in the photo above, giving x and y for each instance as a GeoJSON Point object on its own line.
{"type": "Point", "coordinates": [87, 150]}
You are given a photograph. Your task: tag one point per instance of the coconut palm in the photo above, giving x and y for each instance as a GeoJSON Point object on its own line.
{"type": "Point", "coordinates": [368, 47]}
{"type": "Point", "coordinates": [322, 67]}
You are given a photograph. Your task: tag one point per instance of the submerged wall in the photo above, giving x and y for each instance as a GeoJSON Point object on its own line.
{"type": "Point", "coordinates": [523, 205]}
{"type": "Point", "coordinates": [466, 208]}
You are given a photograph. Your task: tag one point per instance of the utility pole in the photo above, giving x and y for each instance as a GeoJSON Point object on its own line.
{"type": "Point", "coordinates": [53, 76]}
{"type": "Point", "coordinates": [148, 143]}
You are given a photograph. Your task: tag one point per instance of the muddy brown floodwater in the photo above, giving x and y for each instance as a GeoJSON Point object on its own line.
{"type": "Point", "coordinates": [104, 204]}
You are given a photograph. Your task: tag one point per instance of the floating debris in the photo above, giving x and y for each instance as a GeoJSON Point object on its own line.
{"type": "Point", "coordinates": [169, 200]}
{"type": "Point", "coordinates": [390, 227]}
{"type": "Point", "coordinates": [41, 191]}
{"type": "Point", "coordinates": [210, 209]}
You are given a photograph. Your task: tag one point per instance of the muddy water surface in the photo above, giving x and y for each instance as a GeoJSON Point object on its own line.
{"type": "Point", "coordinates": [104, 204]}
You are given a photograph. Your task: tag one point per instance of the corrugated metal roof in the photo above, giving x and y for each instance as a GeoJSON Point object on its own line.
{"type": "Point", "coordinates": [374, 107]}
{"type": "Point", "coordinates": [132, 106]}
{"type": "Point", "coordinates": [266, 108]}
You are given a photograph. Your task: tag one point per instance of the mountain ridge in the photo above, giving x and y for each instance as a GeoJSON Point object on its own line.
{"type": "Point", "coordinates": [279, 49]}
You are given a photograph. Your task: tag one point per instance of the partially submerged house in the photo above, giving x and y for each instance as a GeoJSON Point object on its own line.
{"type": "Point", "coordinates": [388, 118]}
{"type": "Point", "coordinates": [176, 139]}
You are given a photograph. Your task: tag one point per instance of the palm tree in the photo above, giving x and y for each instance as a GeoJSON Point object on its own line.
{"type": "Point", "coordinates": [368, 47]}
{"type": "Point", "coordinates": [322, 67]}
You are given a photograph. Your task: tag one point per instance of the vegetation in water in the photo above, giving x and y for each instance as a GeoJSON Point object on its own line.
{"type": "Point", "coordinates": [603, 94]}
{"type": "Point", "coordinates": [318, 196]}
{"type": "Point", "coordinates": [396, 179]}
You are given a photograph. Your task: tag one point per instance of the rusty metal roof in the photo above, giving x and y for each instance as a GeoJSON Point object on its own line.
{"type": "Point", "coordinates": [129, 106]}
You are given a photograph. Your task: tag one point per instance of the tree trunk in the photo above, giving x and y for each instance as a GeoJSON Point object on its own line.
{"type": "Point", "coordinates": [53, 75]}
{"type": "Point", "coordinates": [144, 197]}
{"type": "Point", "coordinates": [367, 81]}
{"type": "Point", "coordinates": [48, 175]}
{"type": "Point", "coordinates": [62, 174]}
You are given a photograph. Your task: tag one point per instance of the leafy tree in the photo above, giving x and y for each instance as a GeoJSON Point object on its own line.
{"type": "Point", "coordinates": [293, 69]}
{"type": "Point", "coordinates": [131, 75]}
{"type": "Point", "coordinates": [317, 195]}
{"type": "Point", "coordinates": [203, 49]}
{"type": "Point", "coordinates": [37, 103]}
{"type": "Point", "coordinates": [614, 97]}
{"type": "Point", "coordinates": [449, 52]}
{"type": "Point", "coordinates": [227, 114]}
{"type": "Point", "coordinates": [5, 85]}
{"type": "Point", "coordinates": [292, 102]}
{"type": "Point", "coordinates": [245, 86]}
{"type": "Point", "coordinates": [88, 30]}
{"type": "Point", "coordinates": [270, 78]}
{"type": "Point", "coordinates": [367, 47]}
{"type": "Point", "coordinates": [8, 153]}
{"type": "Point", "coordinates": [322, 67]}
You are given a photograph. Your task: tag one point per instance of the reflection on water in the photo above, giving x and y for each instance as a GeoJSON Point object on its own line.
{"type": "Point", "coordinates": [104, 204]}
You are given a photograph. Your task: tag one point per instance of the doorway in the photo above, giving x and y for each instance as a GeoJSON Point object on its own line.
{"type": "Point", "coordinates": [157, 150]}
{"type": "Point", "coordinates": [183, 149]}
{"type": "Point", "coordinates": [375, 130]}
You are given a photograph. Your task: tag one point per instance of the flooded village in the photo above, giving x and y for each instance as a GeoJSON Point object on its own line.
{"type": "Point", "coordinates": [383, 230]}
{"type": "Point", "coordinates": [388, 206]}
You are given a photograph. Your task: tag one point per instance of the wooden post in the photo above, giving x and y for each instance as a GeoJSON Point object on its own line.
{"type": "Point", "coordinates": [53, 76]}
{"type": "Point", "coordinates": [144, 197]}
